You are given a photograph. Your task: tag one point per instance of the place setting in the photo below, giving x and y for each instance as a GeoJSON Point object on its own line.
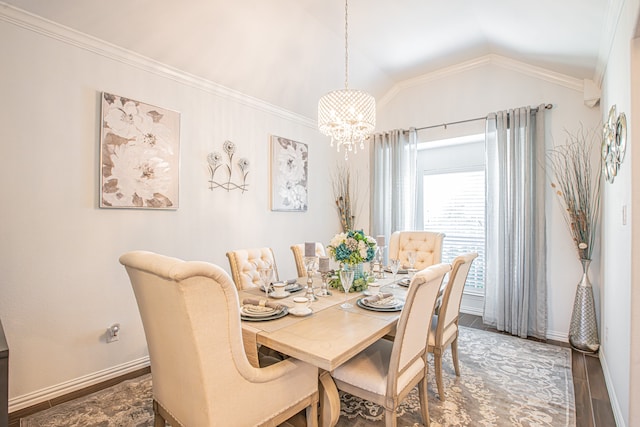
{"type": "Point", "coordinates": [379, 301]}
{"type": "Point", "coordinates": [256, 310]}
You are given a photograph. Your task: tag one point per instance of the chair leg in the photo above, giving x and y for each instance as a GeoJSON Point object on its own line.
{"type": "Point", "coordinates": [312, 415]}
{"type": "Point", "coordinates": [390, 418]}
{"type": "Point", "coordinates": [454, 356]}
{"type": "Point", "coordinates": [424, 401]}
{"type": "Point", "coordinates": [158, 421]}
{"type": "Point", "coordinates": [437, 358]}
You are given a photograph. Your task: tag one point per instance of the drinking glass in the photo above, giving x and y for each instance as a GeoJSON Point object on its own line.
{"type": "Point", "coordinates": [411, 259]}
{"type": "Point", "coordinates": [346, 279]}
{"type": "Point", "coordinates": [266, 271]}
{"type": "Point", "coordinates": [395, 265]}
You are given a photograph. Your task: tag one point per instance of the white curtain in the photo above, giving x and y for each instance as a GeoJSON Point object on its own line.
{"type": "Point", "coordinates": [516, 286]}
{"type": "Point", "coordinates": [393, 181]}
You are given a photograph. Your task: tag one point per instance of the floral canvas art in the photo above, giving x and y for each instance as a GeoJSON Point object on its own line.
{"type": "Point", "coordinates": [139, 155]}
{"type": "Point", "coordinates": [289, 174]}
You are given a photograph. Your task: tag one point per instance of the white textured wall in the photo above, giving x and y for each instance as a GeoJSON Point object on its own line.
{"type": "Point", "coordinates": [492, 85]}
{"type": "Point", "coordinates": [621, 336]}
{"type": "Point", "coordinates": [62, 285]}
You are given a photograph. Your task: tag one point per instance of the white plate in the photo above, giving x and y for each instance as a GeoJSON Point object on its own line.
{"type": "Point", "coordinates": [250, 313]}
{"type": "Point", "coordinates": [301, 313]}
{"type": "Point", "coordinates": [369, 293]}
{"type": "Point", "coordinates": [286, 294]}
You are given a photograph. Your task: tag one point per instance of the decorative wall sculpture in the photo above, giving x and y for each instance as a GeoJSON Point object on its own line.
{"type": "Point", "coordinates": [139, 155]}
{"type": "Point", "coordinates": [614, 143]}
{"type": "Point", "coordinates": [216, 162]}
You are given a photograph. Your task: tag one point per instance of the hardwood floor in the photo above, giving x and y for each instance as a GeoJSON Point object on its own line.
{"type": "Point", "coordinates": [593, 408]}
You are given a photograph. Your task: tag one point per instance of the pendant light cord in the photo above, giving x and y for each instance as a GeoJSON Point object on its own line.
{"type": "Point", "coordinates": [346, 44]}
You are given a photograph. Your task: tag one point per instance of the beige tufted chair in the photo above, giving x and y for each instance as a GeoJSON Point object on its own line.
{"type": "Point", "coordinates": [426, 244]}
{"type": "Point", "coordinates": [444, 325]}
{"type": "Point", "coordinates": [244, 265]}
{"type": "Point", "coordinates": [298, 256]}
{"type": "Point", "coordinates": [386, 371]}
{"type": "Point", "coordinates": [191, 319]}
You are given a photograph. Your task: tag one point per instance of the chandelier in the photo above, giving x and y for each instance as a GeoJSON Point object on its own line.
{"type": "Point", "coordinates": [348, 116]}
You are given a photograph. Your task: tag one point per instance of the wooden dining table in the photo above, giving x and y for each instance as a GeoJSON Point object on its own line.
{"type": "Point", "coordinates": [327, 338]}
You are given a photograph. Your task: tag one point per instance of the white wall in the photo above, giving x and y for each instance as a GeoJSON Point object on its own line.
{"type": "Point", "coordinates": [62, 285]}
{"type": "Point", "coordinates": [621, 335]}
{"type": "Point", "coordinates": [490, 84]}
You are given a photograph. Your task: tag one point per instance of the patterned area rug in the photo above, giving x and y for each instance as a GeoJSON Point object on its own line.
{"type": "Point", "coordinates": [505, 381]}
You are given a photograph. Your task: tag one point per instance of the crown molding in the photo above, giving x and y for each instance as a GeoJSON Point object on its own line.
{"type": "Point", "coordinates": [614, 11]}
{"type": "Point", "coordinates": [54, 30]}
{"type": "Point", "coordinates": [501, 61]}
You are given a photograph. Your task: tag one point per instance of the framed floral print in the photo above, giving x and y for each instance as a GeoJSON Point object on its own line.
{"type": "Point", "coordinates": [289, 174]}
{"type": "Point", "coordinates": [139, 155]}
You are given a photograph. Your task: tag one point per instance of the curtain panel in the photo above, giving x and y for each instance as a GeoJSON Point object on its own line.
{"type": "Point", "coordinates": [393, 181]}
{"type": "Point", "coordinates": [515, 282]}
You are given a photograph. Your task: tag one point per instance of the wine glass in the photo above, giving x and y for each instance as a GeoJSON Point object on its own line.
{"type": "Point", "coordinates": [411, 259]}
{"type": "Point", "coordinates": [395, 265]}
{"type": "Point", "coordinates": [346, 280]}
{"type": "Point", "coordinates": [266, 271]}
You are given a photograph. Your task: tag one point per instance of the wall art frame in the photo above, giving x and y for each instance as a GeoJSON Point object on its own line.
{"type": "Point", "coordinates": [289, 175]}
{"type": "Point", "coordinates": [139, 155]}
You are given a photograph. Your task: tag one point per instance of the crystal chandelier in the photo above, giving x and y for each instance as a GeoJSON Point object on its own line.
{"type": "Point", "coordinates": [348, 116]}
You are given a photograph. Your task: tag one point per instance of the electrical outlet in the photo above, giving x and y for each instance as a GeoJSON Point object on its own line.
{"type": "Point", "coordinates": [113, 332]}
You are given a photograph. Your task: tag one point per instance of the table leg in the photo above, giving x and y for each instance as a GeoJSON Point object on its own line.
{"type": "Point", "coordinates": [329, 401]}
{"type": "Point", "coordinates": [249, 339]}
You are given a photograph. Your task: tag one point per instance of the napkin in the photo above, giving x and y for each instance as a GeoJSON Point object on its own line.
{"type": "Point", "coordinates": [262, 303]}
{"type": "Point", "coordinates": [382, 298]}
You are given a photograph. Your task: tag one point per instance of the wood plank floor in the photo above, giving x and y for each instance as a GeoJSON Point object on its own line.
{"type": "Point", "coordinates": [593, 408]}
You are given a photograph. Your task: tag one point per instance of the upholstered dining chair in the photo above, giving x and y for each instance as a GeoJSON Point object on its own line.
{"type": "Point", "coordinates": [385, 372]}
{"type": "Point", "coordinates": [190, 314]}
{"type": "Point", "coordinates": [426, 244]}
{"type": "Point", "coordinates": [298, 256]}
{"type": "Point", "coordinates": [244, 264]}
{"type": "Point", "coordinates": [444, 323]}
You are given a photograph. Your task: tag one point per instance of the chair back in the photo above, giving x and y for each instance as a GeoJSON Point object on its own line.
{"type": "Point", "coordinates": [426, 244]}
{"type": "Point", "coordinates": [191, 320]}
{"type": "Point", "coordinates": [298, 256]}
{"type": "Point", "coordinates": [412, 332]}
{"type": "Point", "coordinates": [244, 264]}
{"type": "Point", "coordinates": [452, 295]}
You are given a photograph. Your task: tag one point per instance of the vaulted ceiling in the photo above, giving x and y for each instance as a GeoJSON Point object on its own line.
{"type": "Point", "coordinates": [291, 52]}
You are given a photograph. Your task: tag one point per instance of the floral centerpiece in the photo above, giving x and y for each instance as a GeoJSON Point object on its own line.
{"type": "Point", "coordinates": [352, 248]}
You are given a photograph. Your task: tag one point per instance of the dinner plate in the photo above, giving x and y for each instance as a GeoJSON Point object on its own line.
{"type": "Point", "coordinates": [396, 307]}
{"type": "Point", "coordinates": [269, 311]}
{"type": "Point", "coordinates": [274, 316]}
{"type": "Point", "coordinates": [286, 294]}
{"type": "Point", "coordinates": [293, 288]}
{"type": "Point", "coordinates": [400, 271]}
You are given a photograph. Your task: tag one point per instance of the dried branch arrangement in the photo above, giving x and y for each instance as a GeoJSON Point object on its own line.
{"type": "Point", "coordinates": [577, 183]}
{"type": "Point", "coordinates": [343, 193]}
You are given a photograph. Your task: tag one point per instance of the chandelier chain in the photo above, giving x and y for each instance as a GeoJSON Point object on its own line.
{"type": "Point", "coordinates": [346, 44]}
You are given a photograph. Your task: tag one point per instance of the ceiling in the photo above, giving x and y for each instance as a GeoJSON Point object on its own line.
{"type": "Point", "coordinates": [291, 52]}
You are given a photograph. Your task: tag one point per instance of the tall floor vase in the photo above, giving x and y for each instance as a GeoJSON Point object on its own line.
{"type": "Point", "coordinates": [583, 331]}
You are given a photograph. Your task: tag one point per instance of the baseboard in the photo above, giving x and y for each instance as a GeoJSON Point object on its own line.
{"type": "Point", "coordinates": [48, 393]}
{"type": "Point", "coordinates": [615, 405]}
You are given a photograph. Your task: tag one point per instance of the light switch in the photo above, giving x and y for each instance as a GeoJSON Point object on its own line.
{"type": "Point", "coordinates": [624, 214]}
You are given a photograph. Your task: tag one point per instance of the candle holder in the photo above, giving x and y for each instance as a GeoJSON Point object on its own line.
{"type": "Point", "coordinates": [311, 264]}
{"type": "Point", "coordinates": [324, 292]}
{"type": "Point", "coordinates": [379, 260]}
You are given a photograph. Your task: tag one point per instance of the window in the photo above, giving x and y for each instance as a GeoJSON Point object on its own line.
{"type": "Point", "coordinates": [451, 199]}
{"type": "Point", "coordinates": [454, 205]}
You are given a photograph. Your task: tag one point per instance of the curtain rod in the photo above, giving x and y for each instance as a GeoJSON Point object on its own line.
{"type": "Point", "coordinates": [546, 107]}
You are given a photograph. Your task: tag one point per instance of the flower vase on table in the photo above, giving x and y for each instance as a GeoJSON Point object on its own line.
{"type": "Point", "coordinates": [351, 250]}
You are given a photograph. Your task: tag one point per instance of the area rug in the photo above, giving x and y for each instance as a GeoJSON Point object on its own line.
{"type": "Point", "coordinates": [505, 381]}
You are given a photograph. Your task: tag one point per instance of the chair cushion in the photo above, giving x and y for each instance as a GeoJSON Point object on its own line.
{"type": "Point", "coordinates": [368, 370]}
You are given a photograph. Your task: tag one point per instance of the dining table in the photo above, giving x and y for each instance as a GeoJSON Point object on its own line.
{"type": "Point", "coordinates": [327, 337]}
